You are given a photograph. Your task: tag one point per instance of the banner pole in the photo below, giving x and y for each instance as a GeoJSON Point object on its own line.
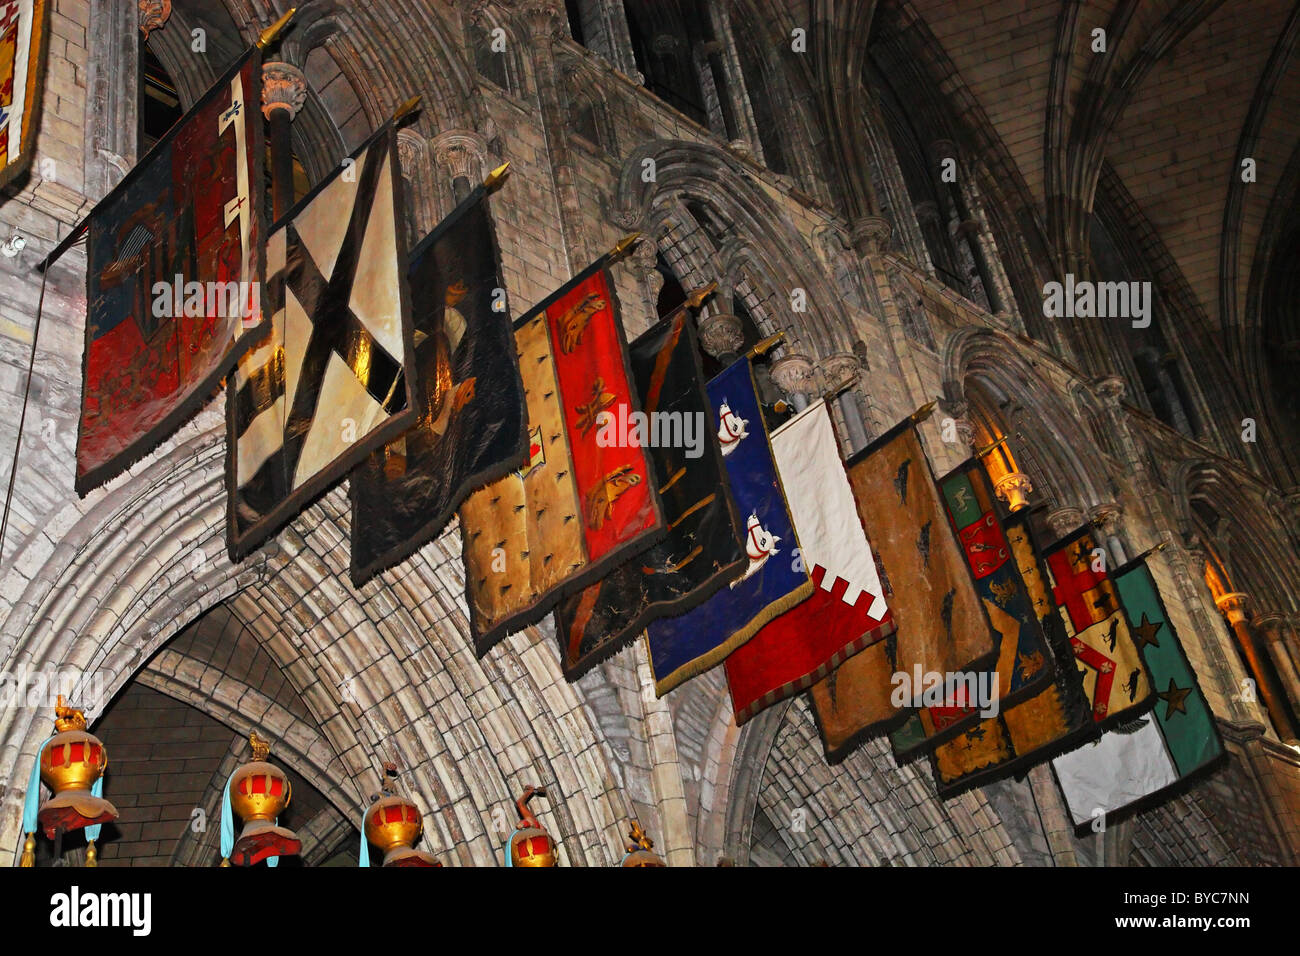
{"type": "Point", "coordinates": [22, 418]}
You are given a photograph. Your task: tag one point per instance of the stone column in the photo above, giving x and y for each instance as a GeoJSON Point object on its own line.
{"type": "Point", "coordinates": [1106, 519]}
{"type": "Point", "coordinates": [1235, 607]}
{"type": "Point", "coordinates": [844, 369]}
{"type": "Point", "coordinates": [1271, 629]}
{"type": "Point", "coordinates": [543, 19]}
{"type": "Point", "coordinates": [112, 94]}
{"type": "Point", "coordinates": [284, 91]}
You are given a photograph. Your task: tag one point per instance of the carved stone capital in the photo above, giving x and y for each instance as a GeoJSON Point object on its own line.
{"type": "Point", "coordinates": [460, 152]}
{"type": "Point", "coordinates": [1064, 520]}
{"type": "Point", "coordinates": [411, 150]}
{"type": "Point", "coordinates": [1106, 518]}
{"type": "Point", "coordinates": [841, 369]}
{"type": "Point", "coordinates": [153, 14]}
{"type": "Point", "coordinates": [795, 374]}
{"type": "Point", "coordinates": [1271, 625]}
{"type": "Point", "coordinates": [1235, 606]}
{"type": "Point", "coordinates": [741, 148]}
{"type": "Point", "coordinates": [629, 220]}
{"type": "Point", "coordinates": [721, 334]}
{"type": "Point", "coordinates": [1110, 390]}
{"type": "Point", "coordinates": [284, 87]}
{"type": "Point", "coordinates": [543, 19]}
{"type": "Point", "coordinates": [1014, 489]}
{"type": "Point", "coordinates": [871, 234]}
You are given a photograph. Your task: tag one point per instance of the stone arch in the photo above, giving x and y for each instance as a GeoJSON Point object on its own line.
{"type": "Point", "coordinates": [1051, 446]}
{"type": "Point", "coordinates": [123, 579]}
{"type": "Point", "coordinates": [689, 169]}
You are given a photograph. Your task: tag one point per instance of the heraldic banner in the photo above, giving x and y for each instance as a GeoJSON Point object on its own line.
{"type": "Point", "coordinates": [173, 278]}
{"type": "Point", "coordinates": [1022, 665]}
{"type": "Point", "coordinates": [1052, 719]}
{"type": "Point", "coordinates": [703, 550]}
{"type": "Point", "coordinates": [24, 42]}
{"type": "Point", "coordinates": [1175, 742]}
{"type": "Point", "coordinates": [579, 507]}
{"type": "Point", "coordinates": [332, 380]}
{"type": "Point", "coordinates": [943, 630]}
{"type": "Point", "coordinates": [1115, 678]}
{"type": "Point", "coordinates": [775, 578]}
{"type": "Point", "coordinates": [470, 428]}
{"type": "Point", "coordinates": [847, 611]}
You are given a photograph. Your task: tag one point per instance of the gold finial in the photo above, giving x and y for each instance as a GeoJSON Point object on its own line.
{"type": "Point", "coordinates": [494, 178]}
{"type": "Point", "coordinates": [624, 246]}
{"type": "Point", "coordinates": [406, 109]}
{"type": "Point", "coordinates": [835, 390]}
{"type": "Point", "coordinates": [261, 748]}
{"type": "Point", "coordinates": [273, 31]}
{"type": "Point", "coordinates": [67, 717]}
{"type": "Point", "coordinates": [981, 452]}
{"type": "Point", "coordinates": [696, 298]}
{"type": "Point", "coordinates": [922, 413]}
{"type": "Point", "coordinates": [640, 841]}
{"type": "Point", "coordinates": [765, 346]}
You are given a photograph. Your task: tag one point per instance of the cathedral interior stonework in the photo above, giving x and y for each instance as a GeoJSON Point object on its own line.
{"type": "Point", "coordinates": [911, 193]}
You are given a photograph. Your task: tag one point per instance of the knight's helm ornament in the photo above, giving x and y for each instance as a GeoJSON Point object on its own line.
{"type": "Point", "coordinates": [530, 844]}
{"type": "Point", "coordinates": [394, 824]}
{"type": "Point", "coordinates": [258, 793]}
{"type": "Point", "coordinates": [72, 765]}
{"type": "Point", "coordinates": [640, 849]}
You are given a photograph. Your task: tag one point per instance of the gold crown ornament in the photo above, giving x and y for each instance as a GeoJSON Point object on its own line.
{"type": "Point", "coordinates": [71, 762]}
{"type": "Point", "coordinates": [258, 793]}
{"type": "Point", "coordinates": [394, 824]}
{"type": "Point", "coordinates": [530, 844]}
{"type": "Point", "coordinates": [640, 849]}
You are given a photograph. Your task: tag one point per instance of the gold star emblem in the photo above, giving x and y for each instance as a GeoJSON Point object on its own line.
{"type": "Point", "coordinates": [1175, 699]}
{"type": "Point", "coordinates": [1146, 634]}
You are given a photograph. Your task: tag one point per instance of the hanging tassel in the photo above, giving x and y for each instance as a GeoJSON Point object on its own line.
{"type": "Point", "coordinates": [92, 831]}
{"type": "Point", "coordinates": [31, 809]}
{"type": "Point", "coordinates": [225, 862]}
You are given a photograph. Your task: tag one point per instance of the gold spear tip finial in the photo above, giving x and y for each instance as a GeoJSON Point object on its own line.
{"type": "Point", "coordinates": [624, 246]}
{"type": "Point", "coordinates": [407, 108]}
{"type": "Point", "coordinates": [640, 841]}
{"type": "Point", "coordinates": [261, 748]}
{"type": "Point", "coordinates": [67, 717]}
{"type": "Point", "coordinates": [494, 178]}
{"type": "Point", "coordinates": [924, 412]}
{"type": "Point", "coordinates": [765, 346]}
{"type": "Point", "coordinates": [696, 298]}
{"type": "Point", "coordinates": [273, 31]}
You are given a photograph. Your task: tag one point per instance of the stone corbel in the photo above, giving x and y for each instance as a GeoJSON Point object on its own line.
{"type": "Point", "coordinates": [870, 235]}
{"type": "Point", "coordinates": [461, 153]}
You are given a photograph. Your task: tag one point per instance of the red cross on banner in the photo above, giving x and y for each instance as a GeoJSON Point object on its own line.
{"type": "Point", "coordinates": [1086, 594]}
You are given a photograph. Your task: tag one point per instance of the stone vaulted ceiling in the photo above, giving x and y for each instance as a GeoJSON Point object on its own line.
{"type": "Point", "coordinates": [1185, 89]}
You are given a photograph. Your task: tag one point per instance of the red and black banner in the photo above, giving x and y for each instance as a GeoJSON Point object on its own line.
{"type": "Point", "coordinates": [703, 550]}
{"type": "Point", "coordinates": [579, 506]}
{"type": "Point", "coordinates": [173, 278]}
